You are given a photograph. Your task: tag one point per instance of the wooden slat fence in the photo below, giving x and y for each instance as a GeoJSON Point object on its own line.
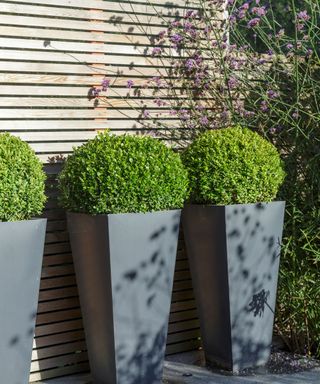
{"type": "Point", "coordinates": [51, 53]}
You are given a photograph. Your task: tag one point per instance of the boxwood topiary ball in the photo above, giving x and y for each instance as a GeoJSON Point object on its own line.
{"type": "Point", "coordinates": [233, 166]}
{"type": "Point", "coordinates": [122, 174]}
{"type": "Point", "coordinates": [22, 180]}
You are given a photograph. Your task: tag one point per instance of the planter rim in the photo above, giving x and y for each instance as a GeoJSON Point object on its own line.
{"type": "Point", "coordinates": [232, 205]}
{"type": "Point", "coordinates": [24, 221]}
{"type": "Point", "coordinates": [119, 214]}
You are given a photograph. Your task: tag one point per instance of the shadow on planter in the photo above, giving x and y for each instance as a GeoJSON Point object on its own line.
{"type": "Point", "coordinates": [124, 266]}
{"type": "Point", "coordinates": [234, 257]}
{"type": "Point", "coordinates": [21, 253]}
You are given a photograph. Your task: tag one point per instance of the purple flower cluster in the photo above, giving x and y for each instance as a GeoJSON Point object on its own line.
{"type": "Point", "coordinates": [259, 11]}
{"type": "Point", "coordinates": [303, 16]}
{"type": "Point", "coordinates": [254, 22]}
{"type": "Point", "coordinates": [156, 51]}
{"type": "Point", "coordinates": [105, 84]}
{"type": "Point", "coordinates": [130, 84]}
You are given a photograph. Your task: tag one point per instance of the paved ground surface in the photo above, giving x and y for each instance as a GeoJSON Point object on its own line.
{"type": "Point", "coordinates": [183, 369]}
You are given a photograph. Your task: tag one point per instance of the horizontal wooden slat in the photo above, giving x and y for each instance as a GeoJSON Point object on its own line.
{"type": "Point", "coordinates": [102, 69]}
{"type": "Point", "coordinates": [51, 373]}
{"type": "Point", "coordinates": [183, 305]}
{"type": "Point", "coordinates": [57, 316]}
{"type": "Point", "coordinates": [83, 36]}
{"type": "Point", "coordinates": [58, 304]}
{"type": "Point", "coordinates": [13, 125]}
{"type": "Point", "coordinates": [44, 341]}
{"type": "Point", "coordinates": [185, 346]}
{"type": "Point", "coordinates": [57, 259]}
{"type": "Point", "coordinates": [66, 91]}
{"type": "Point", "coordinates": [182, 337]}
{"type": "Point", "coordinates": [122, 6]}
{"type": "Point", "coordinates": [59, 361]}
{"type": "Point", "coordinates": [109, 103]}
{"type": "Point", "coordinates": [53, 294]}
{"type": "Point", "coordinates": [94, 113]}
{"type": "Point", "coordinates": [32, 21]}
{"type": "Point", "coordinates": [57, 350]}
{"type": "Point", "coordinates": [183, 295]}
{"type": "Point", "coordinates": [64, 326]}
{"type": "Point", "coordinates": [114, 12]}
{"type": "Point", "coordinates": [182, 316]}
{"type": "Point", "coordinates": [74, 46]}
{"type": "Point", "coordinates": [57, 271]}
{"type": "Point", "coordinates": [62, 79]}
{"type": "Point", "coordinates": [55, 136]}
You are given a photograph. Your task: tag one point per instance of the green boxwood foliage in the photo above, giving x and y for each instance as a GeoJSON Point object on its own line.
{"type": "Point", "coordinates": [233, 166]}
{"type": "Point", "coordinates": [121, 174]}
{"type": "Point", "coordinates": [22, 180]}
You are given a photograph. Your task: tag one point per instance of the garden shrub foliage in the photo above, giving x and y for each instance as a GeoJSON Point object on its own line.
{"type": "Point", "coordinates": [223, 81]}
{"type": "Point", "coordinates": [122, 174]}
{"type": "Point", "coordinates": [22, 180]}
{"type": "Point", "coordinates": [233, 166]}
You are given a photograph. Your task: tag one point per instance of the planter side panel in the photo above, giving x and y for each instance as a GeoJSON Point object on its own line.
{"type": "Point", "coordinates": [90, 249]}
{"type": "Point", "coordinates": [205, 237]}
{"type": "Point", "coordinates": [254, 233]}
{"type": "Point", "coordinates": [143, 253]}
{"type": "Point", "coordinates": [21, 252]}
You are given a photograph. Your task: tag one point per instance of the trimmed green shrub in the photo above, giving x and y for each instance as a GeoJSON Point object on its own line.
{"type": "Point", "coordinates": [22, 180]}
{"type": "Point", "coordinates": [121, 174]}
{"type": "Point", "coordinates": [233, 166]}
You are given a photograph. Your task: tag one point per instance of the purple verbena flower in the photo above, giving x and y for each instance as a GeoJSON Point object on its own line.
{"type": "Point", "coordinates": [300, 27]}
{"type": "Point", "coordinates": [245, 6]}
{"type": "Point", "coordinates": [232, 19]}
{"type": "Point", "coordinates": [204, 120]}
{"type": "Point", "coordinates": [161, 35]}
{"type": "Point", "coordinates": [184, 114]}
{"type": "Point", "coordinates": [242, 14]}
{"type": "Point", "coordinates": [309, 53]}
{"type": "Point", "coordinates": [254, 22]}
{"type": "Point", "coordinates": [303, 15]}
{"type": "Point", "coordinates": [264, 106]}
{"type": "Point", "coordinates": [272, 94]}
{"type": "Point", "coordinates": [156, 51]}
{"type": "Point", "coordinates": [190, 64]}
{"type": "Point", "coordinates": [261, 61]}
{"type": "Point", "coordinates": [105, 84]}
{"type": "Point", "coordinates": [232, 82]}
{"type": "Point", "coordinates": [94, 92]}
{"type": "Point", "coordinates": [190, 14]}
{"type": "Point", "coordinates": [159, 102]}
{"type": "Point", "coordinates": [176, 39]}
{"type": "Point", "coordinates": [259, 11]}
{"type": "Point", "coordinates": [130, 84]}
{"type": "Point", "coordinates": [146, 114]}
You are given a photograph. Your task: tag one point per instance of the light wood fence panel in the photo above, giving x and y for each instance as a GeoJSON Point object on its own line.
{"type": "Point", "coordinates": [51, 53]}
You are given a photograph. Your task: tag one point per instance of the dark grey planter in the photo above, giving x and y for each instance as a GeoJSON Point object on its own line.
{"type": "Point", "coordinates": [124, 268]}
{"type": "Point", "coordinates": [234, 256]}
{"type": "Point", "coordinates": [21, 251]}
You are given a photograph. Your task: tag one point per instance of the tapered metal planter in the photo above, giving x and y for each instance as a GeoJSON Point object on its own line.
{"type": "Point", "coordinates": [21, 251]}
{"type": "Point", "coordinates": [234, 256]}
{"type": "Point", "coordinates": [124, 267]}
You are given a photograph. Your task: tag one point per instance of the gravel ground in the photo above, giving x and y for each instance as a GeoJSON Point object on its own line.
{"type": "Point", "coordinates": [282, 362]}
